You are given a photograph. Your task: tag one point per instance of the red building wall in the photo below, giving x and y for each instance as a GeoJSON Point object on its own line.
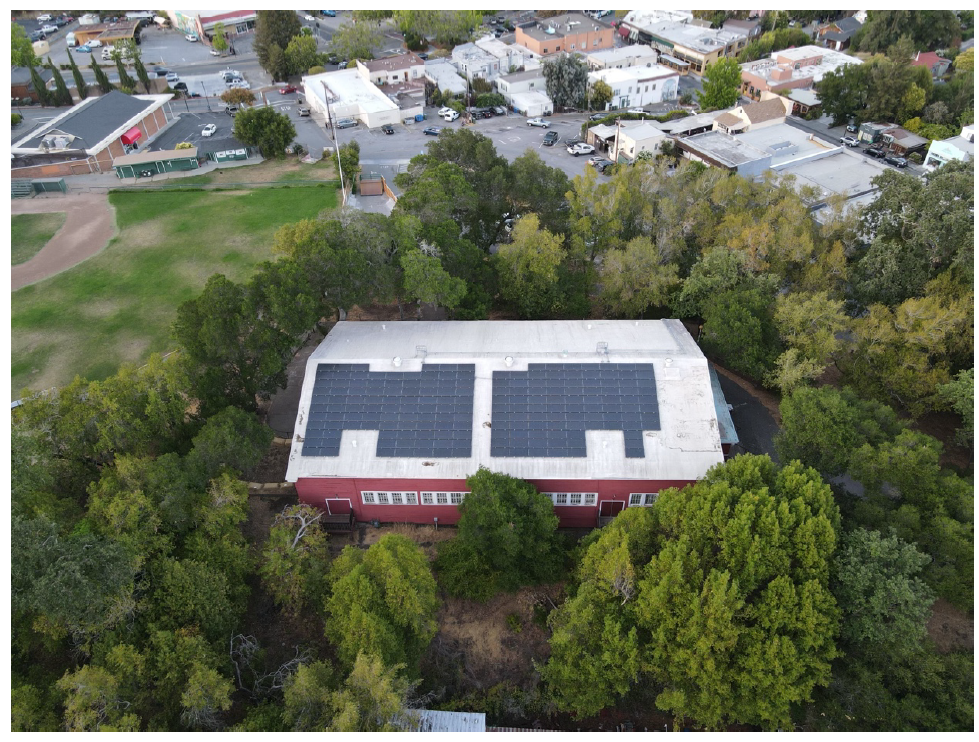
{"type": "Point", "coordinates": [340, 491]}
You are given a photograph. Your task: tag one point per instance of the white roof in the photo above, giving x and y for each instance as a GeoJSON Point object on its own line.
{"type": "Point", "coordinates": [831, 61]}
{"type": "Point", "coordinates": [425, 720]}
{"type": "Point", "coordinates": [443, 74]}
{"type": "Point", "coordinates": [622, 54]}
{"type": "Point", "coordinates": [615, 75]}
{"type": "Point", "coordinates": [684, 448]}
{"type": "Point", "coordinates": [640, 131]}
{"type": "Point", "coordinates": [348, 87]}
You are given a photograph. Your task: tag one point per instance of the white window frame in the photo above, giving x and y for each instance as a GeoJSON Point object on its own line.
{"type": "Point", "coordinates": [573, 499]}
{"type": "Point", "coordinates": [443, 498]}
{"type": "Point", "coordinates": [375, 497]}
{"type": "Point", "coordinates": [642, 499]}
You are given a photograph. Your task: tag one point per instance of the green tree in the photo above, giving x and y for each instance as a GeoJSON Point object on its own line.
{"type": "Point", "coordinates": [959, 395]}
{"type": "Point", "coordinates": [373, 698]}
{"type": "Point", "coordinates": [739, 329]}
{"type": "Point", "coordinates": [140, 68]}
{"type": "Point", "coordinates": [811, 325]}
{"type": "Point", "coordinates": [61, 95]}
{"type": "Point", "coordinates": [266, 129]}
{"type": "Point", "coordinates": [101, 79]}
{"type": "Point", "coordinates": [80, 85]}
{"type": "Point", "coordinates": [927, 29]}
{"type": "Point", "coordinates": [274, 29]}
{"type": "Point", "coordinates": [93, 702]}
{"type": "Point", "coordinates": [37, 82]}
{"type": "Point", "coordinates": [348, 160]}
{"type": "Point", "coordinates": [636, 278]}
{"type": "Point", "coordinates": [21, 48]}
{"type": "Point", "coordinates": [126, 82]}
{"type": "Point", "coordinates": [885, 604]}
{"type": "Point", "coordinates": [843, 92]}
{"type": "Point", "coordinates": [231, 439]}
{"type": "Point", "coordinates": [427, 281]}
{"type": "Point", "coordinates": [383, 602]}
{"type": "Point", "coordinates": [308, 697]}
{"type": "Point", "coordinates": [219, 39]}
{"type": "Point", "coordinates": [823, 427]}
{"type": "Point", "coordinates": [206, 694]}
{"type": "Point", "coordinates": [301, 54]}
{"type": "Point", "coordinates": [356, 41]}
{"type": "Point", "coordinates": [737, 593]}
{"type": "Point", "coordinates": [528, 268]}
{"type": "Point", "coordinates": [540, 189]}
{"type": "Point", "coordinates": [295, 558]}
{"type": "Point", "coordinates": [507, 538]}
{"type": "Point", "coordinates": [599, 95]}
{"type": "Point", "coordinates": [722, 85]}
{"type": "Point", "coordinates": [566, 78]}
{"type": "Point", "coordinates": [189, 593]}
{"type": "Point", "coordinates": [238, 97]}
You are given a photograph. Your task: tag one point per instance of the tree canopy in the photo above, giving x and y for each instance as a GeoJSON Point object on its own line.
{"type": "Point", "coordinates": [266, 129]}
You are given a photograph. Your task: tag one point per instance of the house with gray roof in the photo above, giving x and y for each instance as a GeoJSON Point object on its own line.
{"type": "Point", "coordinates": [837, 34]}
{"type": "Point", "coordinates": [89, 136]}
{"type": "Point", "coordinates": [21, 84]}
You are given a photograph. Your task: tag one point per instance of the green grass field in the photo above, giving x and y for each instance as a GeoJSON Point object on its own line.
{"type": "Point", "coordinates": [30, 232]}
{"type": "Point", "coordinates": [117, 307]}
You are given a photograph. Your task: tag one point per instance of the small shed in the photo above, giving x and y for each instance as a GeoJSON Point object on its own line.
{"type": "Point", "coordinates": [145, 164]}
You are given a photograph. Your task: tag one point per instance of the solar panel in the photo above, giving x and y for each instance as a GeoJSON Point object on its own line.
{"type": "Point", "coordinates": [425, 414]}
{"type": "Point", "coordinates": [545, 411]}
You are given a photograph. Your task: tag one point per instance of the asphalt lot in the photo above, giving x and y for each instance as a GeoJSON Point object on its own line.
{"type": "Point", "coordinates": [188, 129]}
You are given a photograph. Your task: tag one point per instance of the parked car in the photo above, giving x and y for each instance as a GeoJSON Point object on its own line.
{"type": "Point", "coordinates": [43, 18]}
{"type": "Point", "coordinates": [330, 13]}
{"type": "Point", "coordinates": [580, 149]}
{"type": "Point", "coordinates": [422, 56]}
{"type": "Point", "coordinates": [851, 128]}
{"type": "Point", "coordinates": [387, 129]}
{"type": "Point", "coordinates": [215, 53]}
{"type": "Point", "coordinates": [303, 111]}
{"type": "Point", "coordinates": [445, 109]}
{"type": "Point", "coordinates": [549, 138]}
{"type": "Point", "coordinates": [191, 37]}
{"type": "Point", "coordinates": [161, 71]}
{"type": "Point", "coordinates": [346, 123]}
{"type": "Point", "coordinates": [49, 29]}
{"type": "Point", "coordinates": [181, 86]}
{"type": "Point", "coordinates": [37, 36]}
{"type": "Point", "coordinates": [598, 116]}
{"type": "Point", "coordinates": [94, 43]}
{"type": "Point", "coordinates": [84, 49]}
{"type": "Point", "coordinates": [285, 90]}
{"type": "Point", "coordinates": [244, 85]}
{"type": "Point", "coordinates": [450, 115]}
{"type": "Point", "coordinates": [849, 141]}
{"type": "Point", "coordinates": [601, 163]}
{"type": "Point", "coordinates": [875, 152]}
{"type": "Point", "coordinates": [59, 22]}
{"type": "Point", "coordinates": [538, 122]}
{"type": "Point", "coordinates": [595, 160]}
{"type": "Point", "coordinates": [231, 109]}
{"type": "Point", "coordinates": [432, 131]}
{"type": "Point", "coordinates": [499, 110]}
{"type": "Point", "coordinates": [574, 139]}
{"type": "Point", "coordinates": [208, 130]}
{"type": "Point", "coordinates": [172, 77]}
{"type": "Point", "coordinates": [896, 161]}
{"type": "Point", "coordinates": [637, 110]}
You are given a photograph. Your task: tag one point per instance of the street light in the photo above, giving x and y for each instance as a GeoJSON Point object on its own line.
{"type": "Point", "coordinates": [206, 99]}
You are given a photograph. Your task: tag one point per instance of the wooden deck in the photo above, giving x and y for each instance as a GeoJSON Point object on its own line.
{"type": "Point", "coordinates": [344, 522]}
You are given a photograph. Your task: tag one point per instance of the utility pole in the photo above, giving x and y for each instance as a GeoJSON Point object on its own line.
{"type": "Point", "coordinates": [333, 127]}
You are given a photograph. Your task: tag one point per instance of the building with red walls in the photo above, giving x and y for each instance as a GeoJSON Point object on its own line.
{"type": "Point", "coordinates": [599, 415]}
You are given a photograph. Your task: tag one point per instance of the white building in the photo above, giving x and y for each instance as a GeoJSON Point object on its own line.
{"type": "Point", "coordinates": [634, 55]}
{"type": "Point", "coordinates": [471, 61]}
{"type": "Point", "coordinates": [392, 70]}
{"type": "Point", "coordinates": [531, 81]}
{"type": "Point", "coordinates": [532, 104]}
{"type": "Point", "coordinates": [638, 86]}
{"type": "Point", "coordinates": [510, 56]}
{"type": "Point", "coordinates": [444, 76]}
{"type": "Point", "coordinates": [348, 94]}
{"type": "Point", "coordinates": [634, 138]}
{"type": "Point", "coordinates": [962, 147]}
{"type": "Point", "coordinates": [685, 45]}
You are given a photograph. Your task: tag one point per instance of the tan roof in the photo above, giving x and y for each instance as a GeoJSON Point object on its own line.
{"type": "Point", "coordinates": [397, 62]}
{"type": "Point", "coordinates": [727, 119]}
{"type": "Point", "coordinates": [140, 158]}
{"type": "Point", "coordinates": [765, 111]}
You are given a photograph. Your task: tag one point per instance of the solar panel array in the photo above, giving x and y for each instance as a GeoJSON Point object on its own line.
{"type": "Point", "coordinates": [545, 411]}
{"type": "Point", "coordinates": [425, 414]}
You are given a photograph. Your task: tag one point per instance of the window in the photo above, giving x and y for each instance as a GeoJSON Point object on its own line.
{"type": "Point", "coordinates": [443, 498]}
{"type": "Point", "coordinates": [642, 499]}
{"type": "Point", "coordinates": [595, 42]}
{"type": "Point", "coordinates": [389, 498]}
{"type": "Point", "coordinates": [572, 47]}
{"type": "Point", "coordinates": [572, 498]}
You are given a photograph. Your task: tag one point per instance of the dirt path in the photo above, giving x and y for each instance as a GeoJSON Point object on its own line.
{"type": "Point", "coordinates": [89, 225]}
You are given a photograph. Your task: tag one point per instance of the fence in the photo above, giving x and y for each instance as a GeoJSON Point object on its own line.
{"type": "Point", "coordinates": [184, 186]}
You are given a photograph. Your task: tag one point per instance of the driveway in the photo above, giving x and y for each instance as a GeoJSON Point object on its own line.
{"type": "Point", "coordinates": [89, 225]}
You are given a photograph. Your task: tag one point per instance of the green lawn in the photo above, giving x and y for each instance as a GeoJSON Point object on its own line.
{"type": "Point", "coordinates": [118, 306]}
{"type": "Point", "coordinates": [30, 232]}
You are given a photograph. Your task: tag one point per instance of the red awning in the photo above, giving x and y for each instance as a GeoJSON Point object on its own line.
{"type": "Point", "coordinates": [624, 30]}
{"type": "Point", "coordinates": [132, 135]}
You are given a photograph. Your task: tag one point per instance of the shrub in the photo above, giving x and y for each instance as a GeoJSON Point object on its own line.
{"type": "Point", "coordinates": [317, 70]}
{"type": "Point", "coordinates": [15, 118]}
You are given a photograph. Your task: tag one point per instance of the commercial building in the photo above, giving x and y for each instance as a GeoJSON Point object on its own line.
{"type": "Point", "coordinates": [599, 415]}
{"type": "Point", "coordinates": [201, 23]}
{"type": "Point", "coordinates": [791, 69]}
{"type": "Point", "coordinates": [351, 94]}
{"type": "Point", "coordinates": [472, 61]}
{"type": "Point", "coordinates": [443, 75]}
{"type": "Point", "coordinates": [89, 136]}
{"type": "Point", "coordinates": [638, 86]}
{"type": "Point", "coordinates": [962, 148]}
{"type": "Point", "coordinates": [400, 68]}
{"type": "Point", "coordinates": [531, 81]}
{"type": "Point", "coordinates": [510, 56]}
{"type": "Point", "coordinates": [633, 55]}
{"type": "Point", "coordinates": [633, 138]}
{"type": "Point", "coordinates": [750, 154]}
{"type": "Point", "coordinates": [684, 45]}
{"type": "Point", "coordinates": [108, 33]}
{"type": "Point", "coordinates": [570, 32]}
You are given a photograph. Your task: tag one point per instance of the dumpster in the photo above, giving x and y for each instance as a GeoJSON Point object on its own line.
{"type": "Point", "coordinates": [419, 117]}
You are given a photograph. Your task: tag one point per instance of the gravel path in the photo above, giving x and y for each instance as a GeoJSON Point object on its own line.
{"type": "Point", "coordinates": [89, 225]}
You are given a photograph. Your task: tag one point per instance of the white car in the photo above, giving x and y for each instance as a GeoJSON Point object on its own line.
{"type": "Point", "coordinates": [445, 111]}
{"type": "Point", "coordinates": [244, 85]}
{"type": "Point", "coordinates": [580, 149]}
{"type": "Point", "coordinates": [172, 77]}
{"type": "Point", "coordinates": [93, 43]}
{"type": "Point", "coordinates": [208, 130]}
{"type": "Point", "coordinates": [42, 18]}
{"type": "Point", "coordinates": [450, 115]}
{"type": "Point", "coordinates": [49, 29]}
{"type": "Point", "coordinates": [636, 110]}
{"type": "Point", "coordinates": [215, 53]}
{"type": "Point", "coordinates": [191, 37]}
{"type": "Point", "coordinates": [538, 122]}
{"type": "Point", "coordinates": [309, 18]}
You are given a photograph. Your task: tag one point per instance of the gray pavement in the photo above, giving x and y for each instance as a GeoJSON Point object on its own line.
{"type": "Point", "coordinates": [755, 425]}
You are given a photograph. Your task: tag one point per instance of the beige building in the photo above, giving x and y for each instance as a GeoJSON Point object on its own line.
{"type": "Point", "coordinates": [683, 44]}
{"type": "Point", "coordinates": [392, 70]}
{"type": "Point", "coordinates": [791, 69]}
{"type": "Point", "coordinates": [571, 32]}
{"type": "Point", "coordinates": [754, 115]}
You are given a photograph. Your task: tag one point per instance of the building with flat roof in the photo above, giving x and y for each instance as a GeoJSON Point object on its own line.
{"type": "Point", "coordinates": [791, 69]}
{"type": "Point", "coordinates": [107, 33]}
{"type": "Point", "coordinates": [444, 76]}
{"type": "Point", "coordinates": [89, 136]}
{"type": "Point", "coordinates": [400, 68]}
{"type": "Point", "coordinates": [962, 148]}
{"type": "Point", "coordinates": [531, 81]}
{"type": "Point", "coordinates": [599, 415]}
{"type": "Point", "coordinates": [570, 32]}
{"type": "Point", "coordinates": [633, 138]}
{"type": "Point", "coordinates": [633, 55]}
{"type": "Point", "coordinates": [510, 55]}
{"type": "Point", "coordinates": [473, 61]}
{"type": "Point", "coordinates": [201, 23]}
{"type": "Point", "coordinates": [688, 46]}
{"type": "Point", "coordinates": [531, 103]}
{"type": "Point", "coordinates": [350, 94]}
{"type": "Point", "coordinates": [638, 86]}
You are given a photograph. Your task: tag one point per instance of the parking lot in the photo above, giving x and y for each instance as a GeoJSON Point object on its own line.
{"type": "Point", "coordinates": [188, 129]}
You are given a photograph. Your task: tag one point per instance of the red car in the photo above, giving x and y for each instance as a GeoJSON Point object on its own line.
{"type": "Point", "coordinates": [287, 89]}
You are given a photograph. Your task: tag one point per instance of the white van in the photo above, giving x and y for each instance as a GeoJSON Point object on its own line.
{"type": "Point", "coordinates": [450, 115]}
{"type": "Point", "coordinates": [70, 38]}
